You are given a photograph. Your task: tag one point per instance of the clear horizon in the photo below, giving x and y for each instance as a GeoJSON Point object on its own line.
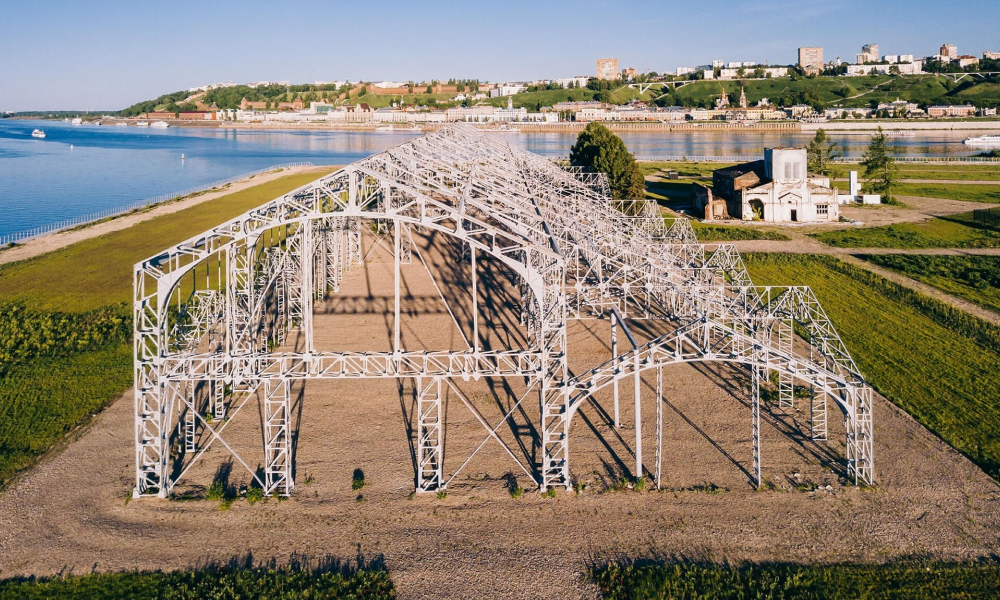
{"type": "Point", "coordinates": [111, 54]}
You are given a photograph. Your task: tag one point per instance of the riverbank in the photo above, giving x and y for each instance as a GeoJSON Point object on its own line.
{"type": "Point", "coordinates": [60, 239]}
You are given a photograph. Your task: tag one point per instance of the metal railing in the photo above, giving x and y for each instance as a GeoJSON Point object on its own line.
{"type": "Point", "coordinates": [842, 159]}
{"type": "Point", "coordinates": [27, 234]}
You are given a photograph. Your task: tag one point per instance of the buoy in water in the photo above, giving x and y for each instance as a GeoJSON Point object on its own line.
{"type": "Point", "coordinates": [182, 157]}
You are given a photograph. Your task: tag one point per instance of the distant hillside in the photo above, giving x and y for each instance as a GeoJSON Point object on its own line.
{"type": "Point", "coordinates": [850, 92]}
{"type": "Point", "coordinates": [820, 92]}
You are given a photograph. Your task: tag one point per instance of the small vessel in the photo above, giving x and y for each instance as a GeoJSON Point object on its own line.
{"type": "Point", "coordinates": [122, 124]}
{"type": "Point", "coordinates": [984, 140]}
{"type": "Point", "coordinates": [78, 121]}
{"type": "Point", "coordinates": [891, 133]}
{"type": "Point", "coordinates": [142, 124]}
{"type": "Point", "coordinates": [159, 125]}
{"type": "Point", "coordinates": [38, 133]}
{"type": "Point", "coordinates": [394, 129]}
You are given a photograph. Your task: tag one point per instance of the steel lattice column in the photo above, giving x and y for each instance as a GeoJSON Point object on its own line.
{"type": "Point", "coordinates": [277, 437]}
{"type": "Point", "coordinates": [430, 435]}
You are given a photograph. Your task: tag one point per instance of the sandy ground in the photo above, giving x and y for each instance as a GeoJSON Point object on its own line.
{"type": "Point", "coordinates": [70, 514]}
{"type": "Point", "coordinates": [61, 239]}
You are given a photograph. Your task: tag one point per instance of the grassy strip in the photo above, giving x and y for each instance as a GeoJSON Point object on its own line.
{"type": "Point", "coordinates": [683, 168]}
{"type": "Point", "coordinates": [974, 278]}
{"type": "Point", "coordinates": [783, 581]}
{"type": "Point", "coordinates": [956, 231]}
{"type": "Point", "coordinates": [953, 172]}
{"type": "Point", "coordinates": [724, 233]}
{"type": "Point", "coordinates": [65, 349]}
{"type": "Point", "coordinates": [233, 582]}
{"type": "Point", "coordinates": [932, 360]}
{"type": "Point", "coordinates": [97, 272]}
{"type": "Point", "coordinates": [964, 192]}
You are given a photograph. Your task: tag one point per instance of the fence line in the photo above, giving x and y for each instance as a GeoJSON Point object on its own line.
{"type": "Point", "coordinates": [987, 216]}
{"type": "Point", "coordinates": [842, 159]}
{"type": "Point", "coordinates": [27, 234]}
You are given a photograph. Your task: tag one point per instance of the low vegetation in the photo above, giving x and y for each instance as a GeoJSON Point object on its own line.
{"type": "Point", "coordinates": [238, 581]}
{"type": "Point", "coordinates": [934, 361]}
{"type": "Point", "coordinates": [66, 324]}
{"type": "Point", "coordinates": [956, 231]}
{"type": "Point", "coordinates": [783, 581]}
{"type": "Point", "coordinates": [733, 233]}
{"type": "Point", "coordinates": [955, 172]}
{"type": "Point", "coordinates": [975, 278]}
{"type": "Point", "coordinates": [967, 192]}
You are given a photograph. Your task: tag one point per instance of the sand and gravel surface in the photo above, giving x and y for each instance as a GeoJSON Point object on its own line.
{"type": "Point", "coordinates": [70, 513]}
{"type": "Point", "coordinates": [61, 239]}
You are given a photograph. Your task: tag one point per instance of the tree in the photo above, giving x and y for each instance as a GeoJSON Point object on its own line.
{"type": "Point", "coordinates": [880, 167]}
{"type": "Point", "coordinates": [599, 150]}
{"type": "Point", "coordinates": [822, 152]}
{"type": "Point", "coordinates": [430, 90]}
{"type": "Point", "coordinates": [603, 96]}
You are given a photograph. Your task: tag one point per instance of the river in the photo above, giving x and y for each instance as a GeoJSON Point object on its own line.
{"type": "Point", "coordinates": [80, 169]}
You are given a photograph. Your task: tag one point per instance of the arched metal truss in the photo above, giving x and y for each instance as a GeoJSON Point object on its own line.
{"type": "Point", "coordinates": [212, 313]}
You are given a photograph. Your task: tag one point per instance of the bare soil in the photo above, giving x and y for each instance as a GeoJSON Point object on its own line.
{"type": "Point", "coordinates": [71, 512]}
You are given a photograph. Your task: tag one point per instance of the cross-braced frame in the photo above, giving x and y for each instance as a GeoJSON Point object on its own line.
{"type": "Point", "coordinates": [212, 314]}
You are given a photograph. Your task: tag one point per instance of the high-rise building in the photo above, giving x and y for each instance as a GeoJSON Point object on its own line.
{"type": "Point", "coordinates": [811, 59]}
{"type": "Point", "coordinates": [869, 53]}
{"type": "Point", "coordinates": [949, 50]}
{"type": "Point", "coordinates": [607, 68]}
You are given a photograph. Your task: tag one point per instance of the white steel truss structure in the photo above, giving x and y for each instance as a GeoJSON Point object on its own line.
{"type": "Point", "coordinates": [212, 313]}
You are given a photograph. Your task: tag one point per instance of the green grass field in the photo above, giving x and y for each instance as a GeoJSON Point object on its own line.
{"type": "Point", "coordinates": [936, 362]}
{"type": "Point", "coordinates": [232, 582]}
{"type": "Point", "coordinates": [956, 231]}
{"type": "Point", "coordinates": [66, 323]}
{"type": "Point", "coordinates": [730, 233]}
{"type": "Point", "coordinates": [975, 278]}
{"type": "Point", "coordinates": [956, 172]}
{"type": "Point", "coordinates": [782, 581]}
{"type": "Point", "coordinates": [684, 169]}
{"type": "Point", "coordinates": [965, 192]}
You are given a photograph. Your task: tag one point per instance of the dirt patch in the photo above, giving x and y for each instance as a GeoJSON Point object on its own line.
{"type": "Point", "coordinates": [71, 512]}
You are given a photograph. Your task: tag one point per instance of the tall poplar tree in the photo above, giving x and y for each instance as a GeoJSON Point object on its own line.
{"type": "Point", "coordinates": [822, 152]}
{"type": "Point", "coordinates": [880, 167]}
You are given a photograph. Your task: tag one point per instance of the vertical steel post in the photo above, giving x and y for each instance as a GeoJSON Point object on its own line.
{"type": "Point", "coordinates": [755, 419]}
{"type": "Point", "coordinates": [659, 425]}
{"type": "Point", "coordinates": [638, 417]}
{"type": "Point", "coordinates": [614, 354]}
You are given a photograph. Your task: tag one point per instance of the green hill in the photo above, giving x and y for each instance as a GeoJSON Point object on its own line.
{"type": "Point", "coordinates": [843, 91]}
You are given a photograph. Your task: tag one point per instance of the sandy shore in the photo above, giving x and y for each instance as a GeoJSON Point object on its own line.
{"type": "Point", "coordinates": [61, 239]}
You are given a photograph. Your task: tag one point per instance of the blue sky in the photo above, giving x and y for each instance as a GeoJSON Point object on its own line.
{"type": "Point", "coordinates": [105, 55]}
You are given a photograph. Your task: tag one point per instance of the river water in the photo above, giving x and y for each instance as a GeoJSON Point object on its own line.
{"type": "Point", "coordinates": [78, 170]}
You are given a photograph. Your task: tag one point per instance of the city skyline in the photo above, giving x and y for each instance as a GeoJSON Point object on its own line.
{"type": "Point", "coordinates": [112, 55]}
